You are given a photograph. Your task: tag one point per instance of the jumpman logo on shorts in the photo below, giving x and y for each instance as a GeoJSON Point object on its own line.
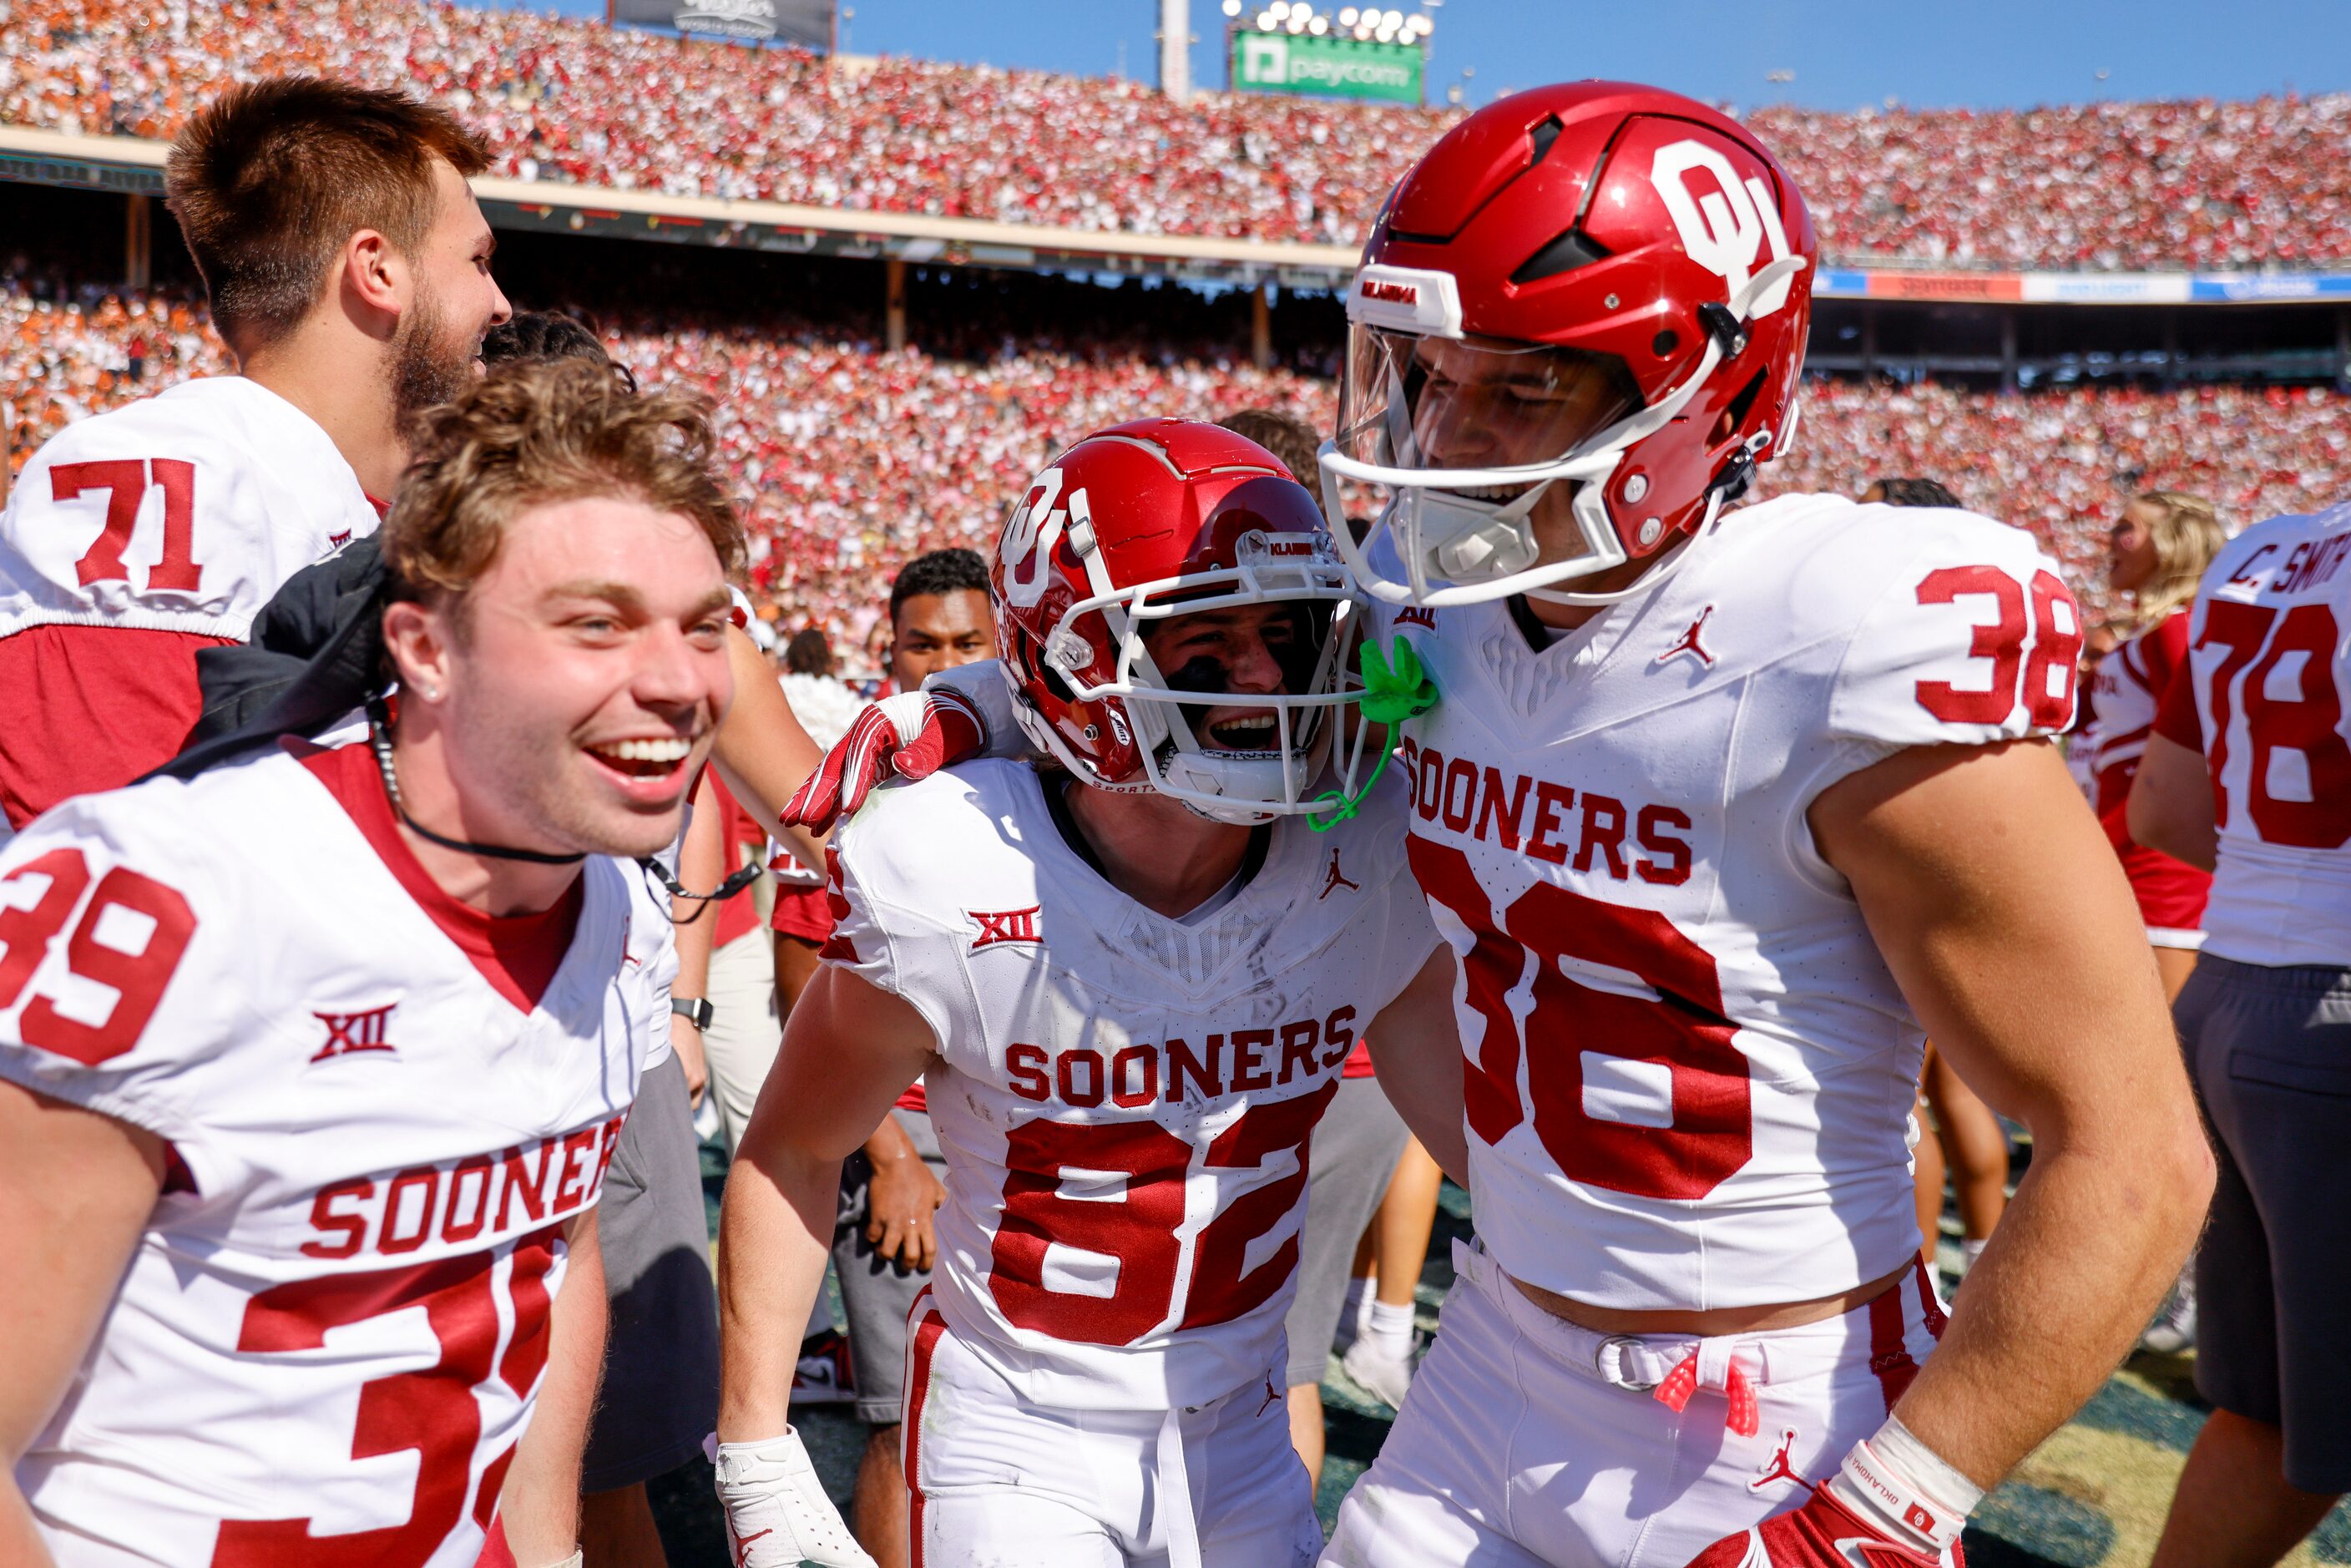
{"type": "Point", "coordinates": [1780, 1469]}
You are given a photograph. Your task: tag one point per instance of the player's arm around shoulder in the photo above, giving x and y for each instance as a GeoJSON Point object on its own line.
{"type": "Point", "coordinates": [86, 1103]}
{"type": "Point", "coordinates": [2000, 910]}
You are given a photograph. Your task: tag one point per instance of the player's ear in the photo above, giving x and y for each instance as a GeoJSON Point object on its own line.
{"type": "Point", "coordinates": [421, 644]}
{"type": "Point", "coordinates": [375, 282]}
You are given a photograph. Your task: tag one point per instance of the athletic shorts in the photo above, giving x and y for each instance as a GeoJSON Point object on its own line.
{"type": "Point", "coordinates": [661, 1352]}
{"type": "Point", "coordinates": [877, 1292]}
{"type": "Point", "coordinates": [1353, 1154]}
{"type": "Point", "coordinates": [996, 1482]}
{"type": "Point", "coordinates": [2269, 1051]}
{"type": "Point", "coordinates": [1526, 1442]}
{"type": "Point", "coordinates": [740, 1044]}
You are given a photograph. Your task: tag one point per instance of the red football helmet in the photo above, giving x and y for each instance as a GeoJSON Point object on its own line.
{"type": "Point", "coordinates": [1600, 284]}
{"type": "Point", "coordinates": [1152, 520]}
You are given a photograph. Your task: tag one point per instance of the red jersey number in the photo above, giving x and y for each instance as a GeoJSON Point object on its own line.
{"type": "Point", "coordinates": [2043, 613]}
{"type": "Point", "coordinates": [432, 1412]}
{"type": "Point", "coordinates": [1610, 984]}
{"type": "Point", "coordinates": [1138, 1230]}
{"type": "Point", "coordinates": [125, 482]}
{"type": "Point", "coordinates": [143, 912]}
{"type": "Point", "coordinates": [2294, 721]}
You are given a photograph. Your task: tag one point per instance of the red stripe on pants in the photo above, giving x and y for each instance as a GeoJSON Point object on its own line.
{"type": "Point", "coordinates": [921, 1345]}
{"type": "Point", "coordinates": [1889, 1355]}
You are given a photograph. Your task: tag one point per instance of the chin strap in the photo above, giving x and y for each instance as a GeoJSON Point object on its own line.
{"type": "Point", "coordinates": [380, 742]}
{"type": "Point", "coordinates": [1396, 688]}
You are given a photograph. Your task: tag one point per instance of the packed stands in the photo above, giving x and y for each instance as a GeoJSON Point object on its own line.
{"type": "Point", "coordinates": [2112, 185]}
{"type": "Point", "coordinates": [850, 459]}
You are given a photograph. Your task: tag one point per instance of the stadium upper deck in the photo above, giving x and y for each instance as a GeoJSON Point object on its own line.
{"type": "Point", "coordinates": [2103, 187]}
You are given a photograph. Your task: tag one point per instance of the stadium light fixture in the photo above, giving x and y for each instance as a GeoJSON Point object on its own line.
{"type": "Point", "coordinates": [1319, 26]}
{"type": "Point", "coordinates": [1279, 10]}
{"type": "Point", "coordinates": [1346, 15]}
{"type": "Point", "coordinates": [1264, 22]}
{"type": "Point", "coordinates": [1232, 7]}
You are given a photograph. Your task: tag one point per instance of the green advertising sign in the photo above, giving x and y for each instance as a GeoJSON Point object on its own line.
{"type": "Point", "coordinates": [1301, 62]}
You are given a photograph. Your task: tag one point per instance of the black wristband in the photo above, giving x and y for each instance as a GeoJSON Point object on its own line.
{"type": "Point", "coordinates": [695, 1010]}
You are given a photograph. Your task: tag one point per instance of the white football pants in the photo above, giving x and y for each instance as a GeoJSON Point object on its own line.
{"type": "Point", "coordinates": [996, 1482]}
{"type": "Point", "coordinates": [1526, 1442]}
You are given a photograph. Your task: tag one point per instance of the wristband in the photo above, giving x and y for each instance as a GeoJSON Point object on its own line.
{"type": "Point", "coordinates": [1896, 1482]}
{"type": "Point", "coordinates": [695, 1010]}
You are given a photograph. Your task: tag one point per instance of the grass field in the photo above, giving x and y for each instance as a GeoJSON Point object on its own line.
{"type": "Point", "coordinates": [2094, 1495]}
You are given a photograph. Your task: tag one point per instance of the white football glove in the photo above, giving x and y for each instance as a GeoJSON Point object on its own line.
{"type": "Point", "coordinates": [776, 1514]}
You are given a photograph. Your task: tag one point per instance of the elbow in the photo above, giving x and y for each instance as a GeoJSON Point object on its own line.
{"type": "Point", "coordinates": [2191, 1174]}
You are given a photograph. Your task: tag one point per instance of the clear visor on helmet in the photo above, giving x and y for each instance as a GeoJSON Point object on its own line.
{"type": "Point", "coordinates": [1446, 403]}
{"type": "Point", "coordinates": [1469, 453]}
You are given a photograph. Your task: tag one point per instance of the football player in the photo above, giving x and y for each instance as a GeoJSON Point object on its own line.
{"type": "Point", "coordinates": [2250, 767]}
{"type": "Point", "coordinates": [1718, 809]}
{"type": "Point", "coordinates": [348, 271]}
{"type": "Point", "coordinates": [311, 1066]}
{"type": "Point", "coordinates": [1129, 985]}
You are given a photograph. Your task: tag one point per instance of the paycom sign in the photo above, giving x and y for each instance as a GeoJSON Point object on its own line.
{"type": "Point", "coordinates": [1344, 67]}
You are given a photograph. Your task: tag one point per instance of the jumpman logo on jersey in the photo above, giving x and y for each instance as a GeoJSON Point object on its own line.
{"type": "Point", "coordinates": [743, 1545]}
{"type": "Point", "coordinates": [1273, 1397]}
{"type": "Point", "coordinates": [1780, 1469]}
{"type": "Point", "coordinates": [1338, 880]}
{"type": "Point", "coordinates": [1688, 643]}
{"type": "Point", "coordinates": [349, 1032]}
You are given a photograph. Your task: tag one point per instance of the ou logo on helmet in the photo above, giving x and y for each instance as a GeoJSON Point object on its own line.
{"type": "Point", "coordinates": [1722, 229]}
{"type": "Point", "coordinates": [1030, 536]}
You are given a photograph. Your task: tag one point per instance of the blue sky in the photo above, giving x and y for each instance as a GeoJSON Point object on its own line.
{"type": "Point", "coordinates": [1933, 53]}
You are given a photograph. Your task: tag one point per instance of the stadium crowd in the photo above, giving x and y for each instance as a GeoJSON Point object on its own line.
{"type": "Point", "coordinates": [2108, 185]}
{"type": "Point", "coordinates": [852, 460]}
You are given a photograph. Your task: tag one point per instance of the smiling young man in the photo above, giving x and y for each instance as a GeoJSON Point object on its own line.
{"type": "Point", "coordinates": [311, 1066]}
{"type": "Point", "coordinates": [347, 269]}
{"type": "Point", "coordinates": [1128, 983]}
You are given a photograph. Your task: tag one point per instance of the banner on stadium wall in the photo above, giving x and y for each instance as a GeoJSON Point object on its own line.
{"type": "Point", "coordinates": [2081, 287]}
{"type": "Point", "coordinates": [808, 23]}
{"type": "Point", "coordinates": [1341, 67]}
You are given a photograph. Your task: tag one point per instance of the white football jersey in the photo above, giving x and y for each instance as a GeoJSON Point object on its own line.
{"type": "Point", "coordinates": [181, 512]}
{"type": "Point", "coordinates": [1124, 1101]}
{"type": "Point", "coordinates": [2272, 673]}
{"type": "Point", "coordinates": [1689, 1072]}
{"type": "Point", "coordinates": [331, 1331]}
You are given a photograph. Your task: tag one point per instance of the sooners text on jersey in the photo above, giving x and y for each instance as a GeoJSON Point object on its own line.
{"type": "Point", "coordinates": [1125, 1101]}
{"type": "Point", "coordinates": [2272, 680]}
{"type": "Point", "coordinates": [329, 1336]}
{"type": "Point", "coordinates": [1688, 1069]}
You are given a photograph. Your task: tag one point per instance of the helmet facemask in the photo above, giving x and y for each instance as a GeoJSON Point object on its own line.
{"type": "Point", "coordinates": [1487, 455]}
{"type": "Point", "coordinates": [1167, 711]}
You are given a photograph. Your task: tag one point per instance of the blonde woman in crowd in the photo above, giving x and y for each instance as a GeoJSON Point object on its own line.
{"type": "Point", "coordinates": [2156, 552]}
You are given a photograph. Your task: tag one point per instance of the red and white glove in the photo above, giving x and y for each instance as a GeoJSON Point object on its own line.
{"type": "Point", "coordinates": [910, 736]}
{"type": "Point", "coordinates": [776, 1514]}
{"type": "Point", "coordinates": [1894, 1503]}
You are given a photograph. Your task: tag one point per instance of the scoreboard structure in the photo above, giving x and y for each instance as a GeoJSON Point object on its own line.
{"type": "Point", "coordinates": [806, 23]}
